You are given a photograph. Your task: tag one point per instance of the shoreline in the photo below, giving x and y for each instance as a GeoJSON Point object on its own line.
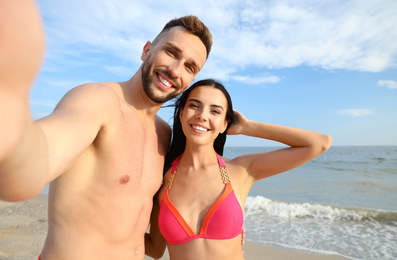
{"type": "Point", "coordinates": [23, 227]}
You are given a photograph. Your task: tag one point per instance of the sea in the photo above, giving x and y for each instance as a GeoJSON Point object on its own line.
{"type": "Point", "coordinates": [343, 202]}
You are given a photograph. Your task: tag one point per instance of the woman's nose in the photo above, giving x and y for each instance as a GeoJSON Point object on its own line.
{"type": "Point", "coordinates": [201, 115]}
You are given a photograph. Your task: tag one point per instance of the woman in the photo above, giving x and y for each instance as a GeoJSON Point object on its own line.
{"type": "Point", "coordinates": [200, 208]}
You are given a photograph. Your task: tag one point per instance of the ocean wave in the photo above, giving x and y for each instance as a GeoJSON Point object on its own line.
{"type": "Point", "coordinates": [263, 206]}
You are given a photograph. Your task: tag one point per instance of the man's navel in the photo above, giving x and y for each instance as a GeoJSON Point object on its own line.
{"type": "Point", "coordinates": [124, 179]}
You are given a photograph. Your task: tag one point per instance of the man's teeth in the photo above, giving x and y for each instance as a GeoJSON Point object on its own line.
{"type": "Point", "coordinates": [164, 81]}
{"type": "Point", "coordinates": [200, 128]}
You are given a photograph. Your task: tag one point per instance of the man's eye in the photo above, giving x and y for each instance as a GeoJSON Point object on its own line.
{"type": "Point", "coordinates": [171, 52]}
{"type": "Point", "coordinates": [190, 69]}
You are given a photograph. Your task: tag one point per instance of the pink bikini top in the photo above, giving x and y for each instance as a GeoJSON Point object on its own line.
{"type": "Point", "coordinates": [223, 221]}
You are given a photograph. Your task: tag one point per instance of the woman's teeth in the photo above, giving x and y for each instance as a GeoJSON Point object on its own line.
{"type": "Point", "coordinates": [199, 128]}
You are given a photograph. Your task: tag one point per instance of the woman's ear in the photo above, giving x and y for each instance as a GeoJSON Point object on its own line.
{"type": "Point", "coordinates": [146, 50]}
{"type": "Point", "coordinates": [224, 126]}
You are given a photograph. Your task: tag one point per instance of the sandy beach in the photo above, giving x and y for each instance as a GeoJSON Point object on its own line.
{"type": "Point", "coordinates": [23, 227]}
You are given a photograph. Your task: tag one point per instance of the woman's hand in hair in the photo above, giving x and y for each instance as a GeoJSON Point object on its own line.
{"type": "Point", "coordinates": [239, 124]}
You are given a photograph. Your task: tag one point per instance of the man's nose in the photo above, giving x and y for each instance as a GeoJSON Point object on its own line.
{"type": "Point", "coordinates": [175, 69]}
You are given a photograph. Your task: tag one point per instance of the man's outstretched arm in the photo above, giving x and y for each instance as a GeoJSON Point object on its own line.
{"type": "Point", "coordinates": [33, 153]}
{"type": "Point", "coordinates": [21, 54]}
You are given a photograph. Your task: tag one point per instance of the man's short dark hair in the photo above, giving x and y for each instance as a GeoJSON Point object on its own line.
{"type": "Point", "coordinates": [192, 25]}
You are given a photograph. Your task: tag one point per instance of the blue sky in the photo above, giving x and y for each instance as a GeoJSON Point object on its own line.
{"type": "Point", "coordinates": [327, 66]}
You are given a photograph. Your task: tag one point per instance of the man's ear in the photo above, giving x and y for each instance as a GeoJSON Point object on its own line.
{"type": "Point", "coordinates": [146, 50]}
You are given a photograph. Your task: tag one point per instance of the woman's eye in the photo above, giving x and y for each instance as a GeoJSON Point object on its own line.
{"type": "Point", "coordinates": [216, 112]}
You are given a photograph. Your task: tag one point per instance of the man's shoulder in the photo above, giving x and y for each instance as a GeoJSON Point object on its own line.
{"type": "Point", "coordinates": [96, 101]}
{"type": "Point", "coordinates": [98, 88]}
{"type": "Point", "coordinates": [93, 93]}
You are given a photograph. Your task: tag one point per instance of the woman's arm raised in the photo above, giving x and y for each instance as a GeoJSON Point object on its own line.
{"type": "Point", "coordinates": [303, 145]}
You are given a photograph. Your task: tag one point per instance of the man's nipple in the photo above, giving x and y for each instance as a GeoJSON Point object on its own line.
{"type": "Point", "coordinates": [124, 179]}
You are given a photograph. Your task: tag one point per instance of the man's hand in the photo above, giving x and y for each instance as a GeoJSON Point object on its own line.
{"type": "Point", "coordinates": [21, 45]}
{"type": "Point", "coordinates": [21, 54]}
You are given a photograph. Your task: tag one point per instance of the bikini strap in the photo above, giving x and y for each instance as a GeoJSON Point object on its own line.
{"type": "Point", "coordinates": [223, 170]}
{"type": "Point", "coordinates": [174, 164]}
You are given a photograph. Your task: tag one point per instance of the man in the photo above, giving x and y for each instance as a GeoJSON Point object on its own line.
{"type": "Point", "coordinates": [102, 148]}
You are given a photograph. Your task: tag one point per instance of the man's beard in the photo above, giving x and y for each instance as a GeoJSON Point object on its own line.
{"type": "Point", "coordinates": [147, 82]}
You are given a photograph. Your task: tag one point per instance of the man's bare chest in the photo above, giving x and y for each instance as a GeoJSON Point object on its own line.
{"type": "Point", "coordinates": [132, 152]}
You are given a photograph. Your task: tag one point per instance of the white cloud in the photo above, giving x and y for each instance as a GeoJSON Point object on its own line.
{"type": "Point", "coordinates": [118, 27]}
{"type": "Point", "coordinates": [120, 70]}
{"type": "Point", "coordinates": [46, 103]}
{"type": "Point", "coordinates": [256, 80]}
{"type": "Point", "coordinates": [216, 69]}
{"type": "Point", "coordinates": [353, 35]}
{"type": "Point", "coordinates": [388, 84]}
{"type": "Point", "coordinates": [355, 112]}
{"type": "Point", "coordinates": [65, 84]}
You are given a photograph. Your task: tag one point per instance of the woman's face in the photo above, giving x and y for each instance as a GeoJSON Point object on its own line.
{"type": "Point", "coordinates": [204, 115]}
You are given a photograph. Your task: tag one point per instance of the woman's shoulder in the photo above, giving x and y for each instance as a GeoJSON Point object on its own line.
{"type": "Point", "coordinates": [235, 167]}
{"type": "Point", "coordinates": [236, 162]}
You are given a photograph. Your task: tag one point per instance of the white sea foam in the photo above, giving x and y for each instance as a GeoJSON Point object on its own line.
{"type": "Point", "coordinates": [322, 228]}
{"type": "Point", "coordinates": [261, 205]}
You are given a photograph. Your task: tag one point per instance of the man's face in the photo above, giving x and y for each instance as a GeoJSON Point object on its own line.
{"type": "Point", "coordinates": [170, 66]}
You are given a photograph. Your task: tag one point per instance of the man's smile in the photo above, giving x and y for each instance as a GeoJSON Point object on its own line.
{"type": "Point", "coordinates": [164, 82]}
